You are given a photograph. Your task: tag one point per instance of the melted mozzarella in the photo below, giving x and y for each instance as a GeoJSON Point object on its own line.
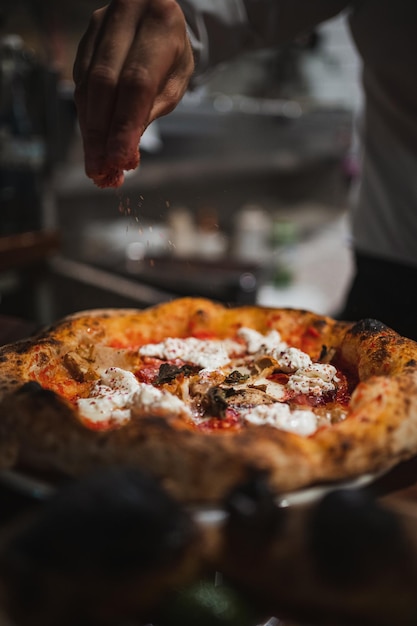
{"type": "Point", "coordinates": [273, 389]}
{"type": "Point", "coordinates": [279, 415]}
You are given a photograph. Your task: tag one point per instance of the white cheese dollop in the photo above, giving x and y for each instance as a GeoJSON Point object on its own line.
{"type": "Point", "coordinates": [111, 397]}
{"type": "Point", "coordinates": [279, 415]}
{"type": "Point", "coordinates": [315, 379]}
{"type": "Point", "coordinates": [291, 359]}
{"type": "Point", "coordinates": [119, 392]}
{"type": "Point", "coordinates": [149, 399]}
{"type": "Point", "coordinates": [265, 344]}
{"type": "Point", "coordinates": [120, 380]}
{"type": "Point", "coordinates": [208, 354]}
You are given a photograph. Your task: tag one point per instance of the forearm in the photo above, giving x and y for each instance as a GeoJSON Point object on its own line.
{"type": "Point", "coordinates": [221, 29]}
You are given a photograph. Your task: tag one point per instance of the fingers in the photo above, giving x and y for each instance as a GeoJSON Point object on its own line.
{"type": "Point", "coordinates": [104, 51]}
{"type": "Point", "coordinates": [153, 62]}
{"type": "Point", "coordinates": [132, 65]}
{"type": "Point", "coordinates": [86, 47]}
{"type": "Point", "coordinates": [82, 63]}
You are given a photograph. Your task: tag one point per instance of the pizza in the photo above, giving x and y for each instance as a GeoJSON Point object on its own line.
{"type": "Point", "coordinates": [205, 396]}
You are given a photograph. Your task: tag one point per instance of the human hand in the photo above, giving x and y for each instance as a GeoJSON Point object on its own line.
{"type": "Point", "coordinates": [133, 65]}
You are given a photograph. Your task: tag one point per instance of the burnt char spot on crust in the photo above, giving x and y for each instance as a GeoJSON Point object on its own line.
{"type": "Point", "coordinates": [382, 353]}
{"type": "Point", "coordinates": [320, 324]}
{"type": "Point", "coordinates": [23, 346]}
{"type": "Point", "coordinates": [323, 353]}
{"type": "Point", "coordinates": [369, 325]}
{"type": "Point", "coordinates": [19, 348]}
{"type": "Point", "coordinates": [301, 312]}
{"type": "Point", "coordinates": [43, 359]}
{"type": "Point", "coordinates": [411, 363]}
{"type": "Point", "coordinates": [35, 389]}
{"type": "Point", "coordinates": [346, 445]}
{"type": "Point", "coordinates": [30, 387]}
{"type": "Point", "coordinates": [340, 449]}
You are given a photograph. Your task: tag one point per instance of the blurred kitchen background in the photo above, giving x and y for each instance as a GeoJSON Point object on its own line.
{"type": "Point", "coordinates": [241, 195]}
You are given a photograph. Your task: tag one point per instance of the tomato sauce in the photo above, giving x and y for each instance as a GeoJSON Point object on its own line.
{"type": "Point", "coordinates": [279, 377]}
{"type": "Point", "coordinates": [230, 422]}
{"type": "Point", "coordinates": [65, 388]}
{"type": "Point", "coordinates": [101, 426]}
{"type": "Point", "coordinates": [204, 335]}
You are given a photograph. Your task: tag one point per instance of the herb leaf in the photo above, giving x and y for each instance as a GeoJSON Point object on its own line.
{"type": "Point", "coordinates": [168, 372]}
{"type": "Point", "coordinates": [235, 377]}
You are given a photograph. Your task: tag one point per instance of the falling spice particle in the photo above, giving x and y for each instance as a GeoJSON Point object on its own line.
{"type": "Point", "coordinates": [124, 206]}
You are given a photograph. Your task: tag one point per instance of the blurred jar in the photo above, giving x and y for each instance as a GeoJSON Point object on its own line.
{"type": "Point", "coordinates": [252, 234]}
{"type": "Point", "coordinates": [211, 241]}
{"type": "Point", "coordinates": [284, 240]}
{"type": "Point", "coordinates": [182, 232]}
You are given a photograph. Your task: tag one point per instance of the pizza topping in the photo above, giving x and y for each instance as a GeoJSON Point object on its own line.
{"type": "Point", "coordinates": [279, 415]}
{"type": "Point", "coordinates": [79, 368]}
{"type": "Point", "coordinates": [110, 398]}
{"type": "Point", "coordinates": [316, 379]}
{"type": "Point", "coordinates": [263, 363]}
{"type": "Point", "coordinates": [256, 342]}
{"type": "Point", "coordinates": [292, 359]}
{"type": "Point", "coordinates": [215, 402]}
{"type": "Point", "coordinates": [157, 401]}
{"type": "Point", "coordinates": [169, 372]}
{"type": "Point", "coordinates": [258, 377]}
{"type": "Point", "coordinates": [119, 392]}
{"type": "Point", "coordinates": [246, 398]}
{"type": "Point", "coordinates": [236, 377]}
{"type": "Point", "coordinates": [272, 388]}
{"type": "Point", "coordinates": [206, 354]}
{"type": "Point", "coordinates": [199, 385]}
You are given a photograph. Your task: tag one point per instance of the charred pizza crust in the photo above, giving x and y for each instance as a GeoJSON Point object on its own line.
{"type": "Point", "coordinates": [39, 428]}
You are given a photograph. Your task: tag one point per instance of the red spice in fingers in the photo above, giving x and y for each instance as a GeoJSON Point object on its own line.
{"type": "Point", "coordinates": [112, 175]}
